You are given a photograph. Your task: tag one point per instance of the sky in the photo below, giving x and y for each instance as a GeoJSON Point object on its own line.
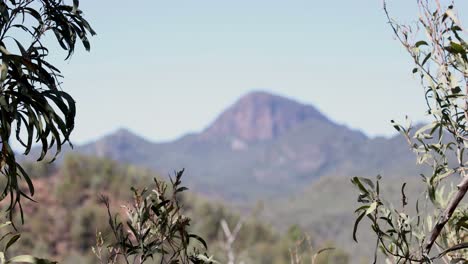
{"type": "Point", "coordinates": [167, 68]}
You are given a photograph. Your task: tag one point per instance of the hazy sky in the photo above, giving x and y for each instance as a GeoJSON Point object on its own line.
{"type": "Point", "coordinates": [166, 68]}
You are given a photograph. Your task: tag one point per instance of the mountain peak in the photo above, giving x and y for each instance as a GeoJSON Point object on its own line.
{"type": "Point", "coordinates": [124, 132]}
{"type": "Point", "coordinates": [117, 145]}
{"type": "Point", "coordinates": [261, 116]}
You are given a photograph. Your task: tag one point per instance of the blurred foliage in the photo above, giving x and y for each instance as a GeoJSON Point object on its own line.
{"type": "Point", "coordinates": [39, 169]}
{"type": "Point", "coordinates": [10, 237]}
{"type": "Point", "coordinates": [69, 212]}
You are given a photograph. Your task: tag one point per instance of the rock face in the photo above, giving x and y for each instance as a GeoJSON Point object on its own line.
{"type": "Point", "coordinates": [260, 116]}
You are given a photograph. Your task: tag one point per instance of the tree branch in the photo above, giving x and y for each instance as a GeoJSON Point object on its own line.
{"type": "Point", "coordinates": [447, 213]}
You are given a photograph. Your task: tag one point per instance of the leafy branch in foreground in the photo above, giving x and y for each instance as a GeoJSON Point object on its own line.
{"type": "Point", "coordinates": [439, 52]}
{"type": "Point", "coordinates": [155, 229]}
{"type": "Point", "coordinates": [33, 108]}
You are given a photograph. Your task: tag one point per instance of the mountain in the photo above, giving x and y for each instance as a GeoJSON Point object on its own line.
{"type": "Point", "coordinates": [122, 145]}
{"type": "Point", "coordinates": [261, 116]}
{"type": "Point", "coordinates": [262, 146]}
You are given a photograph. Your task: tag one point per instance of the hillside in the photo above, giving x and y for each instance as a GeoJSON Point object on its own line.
{"type": "Point", "coordinates": [62, 225]}
{"type": "Point", "coordinates": [69, 210]}
{"type": "Point", "coordinates": [325, 209]}
{"type": "Point", "coordinates": [262, 146]}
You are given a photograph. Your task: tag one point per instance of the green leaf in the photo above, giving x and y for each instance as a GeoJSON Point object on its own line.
{"type": "Point", "coordinates": [76, 4]}
{"type": "Point", "coordinates": [12, 240]}
{"type": "Point", "coordinates": [356, 224]}
{"type": "Point", "coordinates": [371, 208]}
{"type": "Point", "coordinates": [397, 127]}
{"type": "Point", "coordinates": [201, 240]}
{"type": "Point", "coordinates": [421, 43]}
{"type": "Point", "coordinates": [22, 258]}
{"type": "Point", "coordinates": [425, 128]}
{"type": "Point", "coordinates": [362, 208]}
{"type": "Point", "coordinates": [428, 56]}
{"type": "Point", "coordinates": [181, 189]}
{"type": "Point", "coordinates": [369, 182]}
{"type": "Point", "coordinates": [456, 48]}
{"type": "Point", "coordinates": [356, 181]}
{"type": "Point", "coordinates": [157, 208]}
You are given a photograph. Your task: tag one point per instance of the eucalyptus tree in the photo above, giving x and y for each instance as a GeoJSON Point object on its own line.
{"type": "Point", "coordinates": [437, 47]}
{"type": "Point", "coordinates": [33, 107]}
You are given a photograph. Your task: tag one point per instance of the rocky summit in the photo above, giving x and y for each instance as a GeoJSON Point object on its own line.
{"type": "Point", "coordinates": [260, 116]}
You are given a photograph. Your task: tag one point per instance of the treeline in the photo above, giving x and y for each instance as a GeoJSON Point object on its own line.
{"type": "Point", "coordinates": [69, 213]}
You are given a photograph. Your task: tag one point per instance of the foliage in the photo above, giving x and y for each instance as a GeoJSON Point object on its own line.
{"type": "Point", "coordinates": [85, 220]}
{"type": "Point", "coordinates": [9, 239]}
{"type": "Point", "coordinates": [30, 94]}
{"type": "Point", "coordinates": [62, 225]}
{"type": "Point", "coordinates": [440, 56]}
{"type": "Point", "coordinates": [155, 228]}
{"type": "Point", "coordinates": [62, 230]}
{"type": "Point", "coordinates": [31, 100]}
{"type": "Point", "coordinates": [39, 169]}
{"type": "Point", "coordinates": [86, 176]}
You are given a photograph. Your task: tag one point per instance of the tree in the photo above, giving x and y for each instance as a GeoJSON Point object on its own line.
{"type": "Point", "coordinates": [33, 107]}
{"type": "Point", "coordinates": [32, 101]}
{"type": "Point", "coordinates": [439, 52]}
{"type": "Point", "coordinates": [155, 229]}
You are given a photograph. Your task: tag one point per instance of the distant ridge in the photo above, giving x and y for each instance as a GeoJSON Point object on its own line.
{"type": "Point", "coordinates": [261, 116]}
{"type": "Point", "coordinates": [121, 145]}
{"type": "Point", "coordinates": [262, 146]}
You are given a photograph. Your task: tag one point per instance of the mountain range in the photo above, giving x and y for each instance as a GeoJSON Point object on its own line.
{"type": "Point", "coordinates": [262, 146]}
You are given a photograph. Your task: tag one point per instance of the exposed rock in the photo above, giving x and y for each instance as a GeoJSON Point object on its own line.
{"type": "Point", "coordinates": [261, 116]}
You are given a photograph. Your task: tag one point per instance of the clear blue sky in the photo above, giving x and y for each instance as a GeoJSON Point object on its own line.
{"type": "Point", "coordinates": [166, 68]}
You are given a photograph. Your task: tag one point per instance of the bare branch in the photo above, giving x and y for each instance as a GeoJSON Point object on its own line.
{"type": "Point", "coordinates": [447, 214]}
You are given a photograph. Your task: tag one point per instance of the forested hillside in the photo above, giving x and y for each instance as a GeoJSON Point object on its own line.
{"type": "Point", "coordinates": [62, 225]}
{"type": "Point", "coordinates": [69, 209]}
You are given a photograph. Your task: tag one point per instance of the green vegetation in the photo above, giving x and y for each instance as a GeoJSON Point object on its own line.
{"type": "Point", "coordinates": [155, 229]}
{"type": "Point", "coordinates": [31, 99]}
{"type": "Point", "coordinates": [440, 56]}
{"type": "Point", "coordinates": [70, 213]}
{"type": "Point", "coordinates": [149, 219]}
{"type": "Point", "coordinates": [323, 211]}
